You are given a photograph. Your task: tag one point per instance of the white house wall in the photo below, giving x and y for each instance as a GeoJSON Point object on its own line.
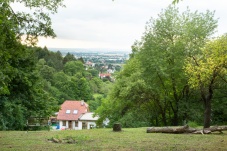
{"type": "Point", "coordinates": [90, 123]}
{"type": "Point", "coordinates": [61, 125]}
{"type": "Point", "coordinates": [80, 124]}
{"type": "Point", "coordinates": [67, 125]}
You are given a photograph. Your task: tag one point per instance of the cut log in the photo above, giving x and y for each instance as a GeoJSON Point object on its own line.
{"type": "Point", "coordinates": [117, 127]}
{"type": "Point", "coordinates": [186, 129]}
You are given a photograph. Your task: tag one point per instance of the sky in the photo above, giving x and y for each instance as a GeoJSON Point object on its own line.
{"type": "Point", "coordinates": [108, 24]}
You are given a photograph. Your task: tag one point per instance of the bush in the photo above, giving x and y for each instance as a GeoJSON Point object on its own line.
{"type": "Point", "coordinates": [192, 124]}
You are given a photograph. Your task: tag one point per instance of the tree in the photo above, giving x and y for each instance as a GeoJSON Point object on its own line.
{"type": "Point", "coordinates": [81, 59]}
{"type": "Point", "coordinates": [73, 67]}
{"type": "Point", "coordinates": [26, 93]}
{"type": "Point", "coordinates": [95, 103]}
{"type": "Point", "coordinates": [52, 59]}
{"type": "Point", "coordinates": [125, 98]}
{"type": "Point", "coordinates": [47, 72]}
{"type": "Point", "coordinates": [154, 76]}
{"type": "Point", "coordinates": [207, 70]}
{"type": "Point", "coordinates": [168, 40]}
{"type": "Point", "coordinates": [69, 57]}
{"type": "Point", "coordinates": [93, 72]}
{"type": "Point", "coordinates": [95, 84]}
{"type": "Point", "coordinates": [21, 88]}
{"type": "Point", "coordinates": [84, 91]}
{"type": "Point", "coordinates": [33, 24]}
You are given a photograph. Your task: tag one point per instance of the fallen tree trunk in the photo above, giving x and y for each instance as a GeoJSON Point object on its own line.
{"type": "Point", "coordinates": [186, 129]}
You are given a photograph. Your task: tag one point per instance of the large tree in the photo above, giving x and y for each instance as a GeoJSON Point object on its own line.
{"type": "Point", "coordinates": [168, 40]}
{"type": "Point", "coordinates": [207, 71]}
{"type": "Point", "coordinates": [154, 75]}
{"type": "Point", "coordinates": [21, 89]}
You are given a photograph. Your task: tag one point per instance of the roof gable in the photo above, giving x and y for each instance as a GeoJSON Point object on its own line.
{"type": "Point", "coordinates": [72, 110]}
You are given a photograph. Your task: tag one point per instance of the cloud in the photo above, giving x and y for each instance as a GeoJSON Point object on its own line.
{"type": "Point", "coordinates": [118, 23]}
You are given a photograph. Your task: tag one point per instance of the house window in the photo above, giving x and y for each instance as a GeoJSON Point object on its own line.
{"type": "Point", "coordinates": [84, 125]}
{"type": "Point", "coordinates": [76, 123]}
{"type": "Point", "coordinates": [64, 123]}
{"type": "Point", "coordinates": [75, 111]}
{"type": "Point", "coordinates": [67, 111]}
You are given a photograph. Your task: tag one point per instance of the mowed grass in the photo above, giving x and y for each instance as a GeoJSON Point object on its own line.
{"type": "Point", "coordinates": [130, 139]}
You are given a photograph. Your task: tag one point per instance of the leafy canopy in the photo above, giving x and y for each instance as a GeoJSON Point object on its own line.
{"type": "Point", "coordinates": [34, 23]}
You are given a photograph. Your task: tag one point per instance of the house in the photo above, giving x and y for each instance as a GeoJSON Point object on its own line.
{"type": "Point", "coordinates": [110, 71]}
{"type": "Point", "coordinates": [104, 75]}
{"type": "Point", "coordinates": [89, 64]}
{"type": "Point", "coordinates": [75, 115]}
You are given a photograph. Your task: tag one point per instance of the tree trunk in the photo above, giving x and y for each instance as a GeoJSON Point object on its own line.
{"type": "Point", "coordinates": [164, 118]}
{"type": "Point", "coordinates": [163, 113]}
{"type": "Point", "coordinates": [186, 129]}
{"type": "Point", "coordinates": [175, 130]}
{"type": "Point", "coordinates": [207, 102]}
{"type": "Point", "coordinates": [207, 114]}
{"type": "Point", "coordinates": [175, 118]}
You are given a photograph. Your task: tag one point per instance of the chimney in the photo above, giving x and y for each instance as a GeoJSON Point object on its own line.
{"type": "Point", "coordinates": [82, 102]}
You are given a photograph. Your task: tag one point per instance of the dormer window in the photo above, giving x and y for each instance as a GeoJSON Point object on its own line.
{"type": "Point", "coordinates": [75, 111]}
{"type": "Point", "coordinates": [67, 111]}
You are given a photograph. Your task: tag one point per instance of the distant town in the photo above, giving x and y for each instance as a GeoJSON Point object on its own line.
{"type": "Point", "coordinates": [96, 55]}
{"type": "Point", "coordinates": [106, 62]}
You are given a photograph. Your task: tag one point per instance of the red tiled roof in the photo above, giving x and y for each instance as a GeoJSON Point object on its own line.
{"type": "Point", "coordinates": [80, 106]}
{"type": "Point", "coordinates": [104, 74]}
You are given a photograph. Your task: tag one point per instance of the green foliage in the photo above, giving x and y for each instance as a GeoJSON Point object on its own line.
{"type": "Point", "coordinates": [96, 102]}
{"type": "Point", "coordinates": [73, 67]}
{"type": "Point", "coordinates": [168, 40]}
{"type": "Point", "coordinates": [34, 81]}
{"type": "Point", "coordinates": [154, 77]}
{"type": "Point", "coordinates": [22, 91]}
{"type": "Point", "coordinates": [69, 57]}
{"type": "Point", "coordinates": [12, 116]}
{"type": "Point", "coordinates": [27, 95]}
{"type": "Point", "coordinates": [135, 118]}
{"type": "Point", "coordinates": [208, 64]}
{"type": "Point", "coordinates": [83, 89]}
{"type": "Point", "coordinates": [34, 87]}
{"type": "Point", "coordinates": [206, 72]}
{"type": "Point", "coordinates": [93, 72]}
{"type": "Point", "coordinates": [219, 102]}
{"type": "Point", "coordinates": [105, 88]}
{"type": "Point", "coordinates": [33, 24]}
{"type": "Point", "coordinates": [52, 59]}
{"type": "Point", "coordinates": [72, 81]}
{"type": "Point", "coordinates": [96, 84]}
{"type": "Point", "coordinates": [192, 124]}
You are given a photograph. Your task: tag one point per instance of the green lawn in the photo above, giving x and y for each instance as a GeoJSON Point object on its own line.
{"type": "Point", "coordinates": [129, 139]}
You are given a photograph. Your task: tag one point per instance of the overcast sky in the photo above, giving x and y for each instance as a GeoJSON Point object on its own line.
{"type": "Point", "coordinates": [116, 24]}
